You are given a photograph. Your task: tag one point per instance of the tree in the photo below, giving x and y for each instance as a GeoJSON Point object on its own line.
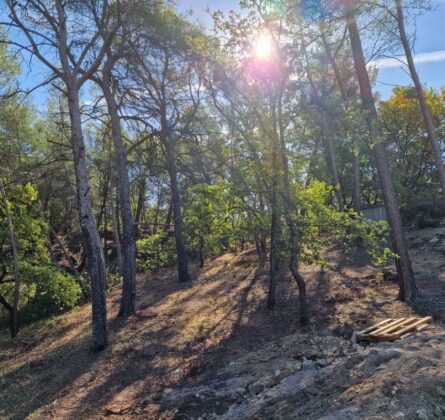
{"type": "Point", "coordinates": [407, 284]}
{"type": "Point", "coordinates": [62, 32]}
{"type": "Point", "coordinates": [422, 99]}
{"type": "Point", "coordinates": [128, 245]}
{"type": "Point", "coordinates": [168, 71]}
{"type": "Point", "coordinates": [13, 309]}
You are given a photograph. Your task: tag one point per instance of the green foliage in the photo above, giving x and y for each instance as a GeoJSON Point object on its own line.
{"type": "Point", "coordinates": [155, 251]}
{"type": "Point", "coordinates": [49, 290]}
{"type": "Point", "coordinates": [44, 289]}
{"type": "Point", "coordinates": [409, 150]}
{"type": "Point", "coordinates": [215, 217]}
{"type": "Point", "coordinates": [322, 226]}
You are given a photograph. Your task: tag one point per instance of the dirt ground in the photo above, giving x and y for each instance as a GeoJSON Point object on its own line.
{"type": "Point", "coordinates": [210, 349]}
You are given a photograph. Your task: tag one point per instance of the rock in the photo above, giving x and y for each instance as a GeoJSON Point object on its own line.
{"type": "Point", "coordinates": [293, 366]}
{"type": "Point", "coordinates": [422, 414]}
{"type": "Point", "coordinates": [257, 388]}
{"type": "Point", "coordinates": [324, 362]}
{"type": "Point", "coordinates": [277, 373]}
{"type": "Point", "coordinates": [434, 240]}
{"type": "Point", "coordinates": [393, 405]}
{"type": "Point", "coordinates": [398, 415]}
{"type": "Point", "coordinates": [307, 364]}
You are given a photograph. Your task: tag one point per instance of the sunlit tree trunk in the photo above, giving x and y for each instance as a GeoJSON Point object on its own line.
{"type": "Point", "coordinates": [95, 260]}
{"type": "Point", "coordinates": [128, 246]}
{"type": "Point", "coordinates": [422, 100]}
{"type": "Point", "coordinates": [290, 210]}
{"type": "Point", "coordinates": [407, 284]}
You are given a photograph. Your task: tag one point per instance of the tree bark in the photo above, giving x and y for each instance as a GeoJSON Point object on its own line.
{"type": "Point", "coordinates": [95, 259]}
{"type": "Point", "coordinates": [128, 246]}
{"type": "Point", "coordinates": [117, 240]}
{"type": "Point", "coordinates": [274, 264]}
{"type": "Point", "coordinates": [407, 284]}
{"type": "Point", "coordinates": [13, 309]}
{"type": "Point", "coordinates": [183, 274]}
{"type": "Point", "coordinates": [422, 101]}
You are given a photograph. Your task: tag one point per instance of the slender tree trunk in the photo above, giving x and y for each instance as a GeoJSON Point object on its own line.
{"type": "Point", "coordinates": [422, 101]}
{"type": "Point", "coordinates": [141, 199]}
{"type": "Point", "coordinates": [332, 162]}
{"type": "Point", "coordinates": [13, 310]}
{"type": "Point", "coordinates": [128, 300]}
{"type": "Point", "coordinates": [289, 211]}
{"type": "Point", "coordinates": [407, 284]}
{"type": "Point", "coordinates": [117, 240]}
{"type": "Point", "coordinates": [168, 218]}
{"type": "Point", "coordinates": [275, 221]}
{"type": "Point", "coordinates": [357, 183]}
{"type": "Point", "coordinates": [183, 274]}
{"type": "Point", "coordinates": [344, 96]}
{"type": "Point", "coordinates": [95, 258]}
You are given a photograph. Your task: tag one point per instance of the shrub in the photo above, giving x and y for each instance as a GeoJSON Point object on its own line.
{"type": "Point", "coordinates": [49, 291]}
{"type": "Point", "coordinates": [155, 251]}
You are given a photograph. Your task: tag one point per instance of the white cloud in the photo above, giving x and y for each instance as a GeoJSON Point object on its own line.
{"type": "Point", "coordinates": [430, 57]}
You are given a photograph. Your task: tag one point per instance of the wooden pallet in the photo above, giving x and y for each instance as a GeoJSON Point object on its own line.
{"type": "Point", "coordinates": [393, 329]}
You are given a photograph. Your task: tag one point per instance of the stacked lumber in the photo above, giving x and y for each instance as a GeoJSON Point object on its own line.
{"type": "Point", "coordinates": [394, 329]}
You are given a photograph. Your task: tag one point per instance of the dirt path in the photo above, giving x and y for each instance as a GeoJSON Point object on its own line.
{"type": "Point", "coordinates": [211, 349]}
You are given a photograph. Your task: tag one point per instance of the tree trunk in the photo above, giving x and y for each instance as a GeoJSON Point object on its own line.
{"type": "Point", "coordinates": [357, 184]}
{"type": "Point", "coordinates": [117, 240]}
{"type": "Point", "coordinates": [422, 101]}
{"type": "Point", "coordinates": [407, 284]}
{"type": "Point", "coordinates": [168, 218]}
{"type": "Point", "coordinates": [13, 310]}
{"type": "Point", "coordinates": [332, 162]}
{"type": "Point", "coordinates": [128, 300]}
{"type": "Point", "coordinates": [140, 205]}
{"type": "Point", "coordinates": [95, 258]}
{"type": "Point", "coordinates": [275, 222]}
{"type": "Point", "coordinates": [289, 211]}
{"type": "Point", "coordinates": [183, 274]}
{"type": "Point", "coordinates": [344, 96]}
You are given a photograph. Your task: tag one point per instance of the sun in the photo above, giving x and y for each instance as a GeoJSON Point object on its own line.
{"type": "Point", "coordinates": [263, 47]}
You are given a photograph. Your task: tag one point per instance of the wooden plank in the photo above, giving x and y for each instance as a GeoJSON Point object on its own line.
{"type": "Point", "coordinates": [373, 327]}
{"type": "Point", "coordinates": [376, 337]}
{"type": "Point", "coordinates": [395, 322]}
{"type": "Point", "coordinates": [384, 337]}
{"type": "Point", "coordinates": [427, 319]}
{"type": "Point", "coordinates": [403, 323]}
{"type": "Point", "coordinates": [418, 329]}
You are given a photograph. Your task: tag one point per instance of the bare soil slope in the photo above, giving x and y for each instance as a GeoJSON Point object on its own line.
{"type": "Point", "coordinates": [211, 349]}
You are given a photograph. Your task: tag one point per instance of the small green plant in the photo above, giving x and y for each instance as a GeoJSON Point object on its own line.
{"type": "Point", "coordinates": [155, 251]}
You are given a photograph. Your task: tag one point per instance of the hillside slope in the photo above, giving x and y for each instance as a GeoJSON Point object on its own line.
{"type": "Point", "coordinates": [211, 349]}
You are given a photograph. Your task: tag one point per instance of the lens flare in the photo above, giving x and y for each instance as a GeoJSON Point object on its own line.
{"type": "Point", "coordinates": [263, 47]}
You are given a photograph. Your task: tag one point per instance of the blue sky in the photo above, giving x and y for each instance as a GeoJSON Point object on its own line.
{"type": "Point", "coordinates": [429, 46]}
{"type": "Point", "coordinates": [429, 50]}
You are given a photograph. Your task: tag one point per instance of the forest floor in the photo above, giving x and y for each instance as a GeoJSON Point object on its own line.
{"type": "Point", "coordinates": [210, 349]}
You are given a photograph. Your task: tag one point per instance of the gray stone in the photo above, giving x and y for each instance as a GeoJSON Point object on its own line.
{"type": "Point", "coordinates": [307, 364]}
{"type": "Point", "coordinates": [422, 414]}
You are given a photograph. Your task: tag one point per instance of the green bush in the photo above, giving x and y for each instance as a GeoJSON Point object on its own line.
{"type": "Point", "coordinates": [49, 291]}
{"type": "Point", "coordinates": [155, 251]}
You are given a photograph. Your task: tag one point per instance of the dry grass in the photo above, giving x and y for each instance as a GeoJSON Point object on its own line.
{"type": "Point", "coordinates": [180, 335]}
